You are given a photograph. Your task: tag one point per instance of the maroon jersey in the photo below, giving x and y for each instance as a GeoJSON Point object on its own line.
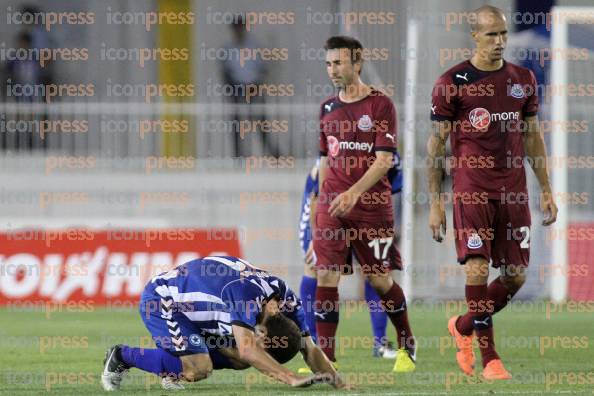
{"type": "Point", "coordinates": [487, 111]}
{"type": "Point", "coordinates": [350, 134]}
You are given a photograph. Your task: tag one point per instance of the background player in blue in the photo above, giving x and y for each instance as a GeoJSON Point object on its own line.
{"type": "Point", "coordinates": [379, 319]}
{"type": "Point", "coordinates": [220, 312]}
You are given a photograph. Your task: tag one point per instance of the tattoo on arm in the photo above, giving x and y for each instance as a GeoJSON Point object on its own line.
{"type": "Point", "coordinates": [436, 148]}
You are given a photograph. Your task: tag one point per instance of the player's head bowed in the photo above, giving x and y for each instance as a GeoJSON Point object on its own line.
{"type": "Point", "coordinates": [488, 27]}
{"type": "Point", "coordinates": [277, 334]}
{"type": "Point", "coordinates": [344, 60]}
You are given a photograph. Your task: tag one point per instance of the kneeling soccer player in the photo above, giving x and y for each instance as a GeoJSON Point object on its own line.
{"type": "Point", "coordinates": [189, 309]}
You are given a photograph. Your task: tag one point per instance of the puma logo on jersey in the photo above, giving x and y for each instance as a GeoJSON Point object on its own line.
{"type": "Point", "coordinates": [328, 106]}
{"type": "Point", "coordinates": [320, 315]}
{"type": "Point", "coordinates": [433, 108]}
{"type": "Point", "coordinates": [390, 137]}
{"type": "Point", "coordinates": [464, 77]}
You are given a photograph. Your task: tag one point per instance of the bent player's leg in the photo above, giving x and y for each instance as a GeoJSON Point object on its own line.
{"type": "Point", "coordinates": [379, 322]}
{"type": "Point", "coordinates": [175, 338]}
{"type": "Point", "coordinates": [502, 289]}
{"type": "Point", "coordinates": [480, 309]}
{"type": "Point", "coordinates": [377, 258]}
{"type": "Point", "coordinates": [114, 369]}
{"type": "Point", "coordinates": [473, 225]}
{"type": "Point", "coordinates": [511, 252]}
{"type": "Point", "coordinates": [196, 367]}
{"type": "Point", "coordinates": [121, 358]}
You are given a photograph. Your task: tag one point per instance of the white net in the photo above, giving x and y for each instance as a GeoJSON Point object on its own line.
{"type": "Point", "coordinates": [580, 160]}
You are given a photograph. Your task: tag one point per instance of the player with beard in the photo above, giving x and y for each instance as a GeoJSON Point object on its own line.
{"type": "Point", "coordinates": [488, 109]}
{"type": "Point", "coordinates": [354, 210]}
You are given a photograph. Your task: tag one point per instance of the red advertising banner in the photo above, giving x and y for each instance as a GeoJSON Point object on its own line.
{"type": "Point", "coordinates": [99, 266]}
{"type": "Point", "coordinates": [581, 265]}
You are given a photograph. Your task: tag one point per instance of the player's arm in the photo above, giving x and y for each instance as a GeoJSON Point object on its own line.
{"type": "Point", "coordinates": [256, 357]}
{"type": "Point", "coordinates": [322, 171]}
{"type": "Point", "coordinates": [344, 202]}
{"type": "Point", "coordinates": [319, 363]}
{"type": "Point", "coordinates": [535, 149]}
{"type": "Point", "coordinates": [436, 148]}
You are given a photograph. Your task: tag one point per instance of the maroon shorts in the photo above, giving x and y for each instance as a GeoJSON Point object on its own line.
{"type": "Point", "coordinates": [497, 231]}
{"type": "Point", "coordinates": [372, 244]}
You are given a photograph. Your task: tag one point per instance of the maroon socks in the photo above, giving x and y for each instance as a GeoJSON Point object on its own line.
{"type": "Point", "coordinates": [478, 318]}
{"type": "Point", "coordinates": [394, 304]}
{"type": "Point", "coordinates": [326, 313]}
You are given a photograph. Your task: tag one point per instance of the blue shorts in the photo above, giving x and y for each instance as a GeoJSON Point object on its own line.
{"type": "Point", "coordinates": [171, 330]}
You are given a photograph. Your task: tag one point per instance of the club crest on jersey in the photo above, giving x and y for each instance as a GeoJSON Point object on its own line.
{"type": "Point", "coordinates": [480, 118]}
{"type": "Point", "coordinates": [333, 146]}
{"type": "Point", "coordinates": [474, 242]}
{"type": "Point", "coordinates": [517, 91]}
{"type": "Point", "coordinates": [365, 124]}
{"type": "Point", "coordinates": [195, 339]}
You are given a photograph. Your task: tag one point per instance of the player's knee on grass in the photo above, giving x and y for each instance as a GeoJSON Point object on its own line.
{"type": "Point", "coordinates": [196, 367]}
{"type": "Point", "coordinates": [328, 277]}
{"type": "Point", "coordinates": [382, 283]}
{"type": "Point", "coordinates": [477, 271]}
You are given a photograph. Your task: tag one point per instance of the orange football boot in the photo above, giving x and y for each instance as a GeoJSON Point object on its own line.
{"type": "Point", "coordinates": [495, 371]}
{"type": "Point", "coordinates": [465, 354]}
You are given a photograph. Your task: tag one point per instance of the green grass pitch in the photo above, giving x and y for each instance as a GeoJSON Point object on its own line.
{"type": "Point", "coordinates": [547, 352]}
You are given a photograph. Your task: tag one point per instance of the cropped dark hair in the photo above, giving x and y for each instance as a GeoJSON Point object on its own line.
{"type": "Point", "coordinates": [354, 45]}
{"type": "Point", "coordinates": [283, 338]}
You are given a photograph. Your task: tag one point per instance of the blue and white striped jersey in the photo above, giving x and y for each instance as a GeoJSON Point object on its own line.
{"type": "Point", "coordinates": [216, 292]}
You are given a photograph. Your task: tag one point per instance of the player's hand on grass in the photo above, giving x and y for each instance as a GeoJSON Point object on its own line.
{"type": "Point", "coordinates": [346, 387]}
{"type": "Point", "coordinates": [437, 221]}
{"type": "Point", "coordinates": [304, 382]}
{"type": "Point", "coordinates": [338, 383]}
{"type": "Point", "coordinates": [343, 203]}
{"type": "Point", "coordinates": [548, 207]}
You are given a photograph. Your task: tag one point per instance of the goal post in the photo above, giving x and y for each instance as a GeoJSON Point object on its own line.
{"type": "Point", "coordinates": [562, 19]}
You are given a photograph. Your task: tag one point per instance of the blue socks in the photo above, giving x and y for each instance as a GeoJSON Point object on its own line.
{"type": "Point", "coordinates": [307, 292]}
{"type": "Point", "coordinates": [379, 318]}
{"type": "Point", "coordinates": [157, 361]}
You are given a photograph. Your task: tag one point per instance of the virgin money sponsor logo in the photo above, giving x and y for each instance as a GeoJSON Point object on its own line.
{"type": "Point", "coordinates": [506, 116]}
{"type": "Point", "coordinates": [480, 118]}
{"type": "Point", "coordinates": [358, 146]}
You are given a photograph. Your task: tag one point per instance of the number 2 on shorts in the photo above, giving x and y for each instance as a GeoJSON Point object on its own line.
{"type": "Point", "coordinates": [525, 244]}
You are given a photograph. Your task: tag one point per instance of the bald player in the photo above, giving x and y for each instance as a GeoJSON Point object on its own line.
{"type": "Point", "coordinates": [488, 109]}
